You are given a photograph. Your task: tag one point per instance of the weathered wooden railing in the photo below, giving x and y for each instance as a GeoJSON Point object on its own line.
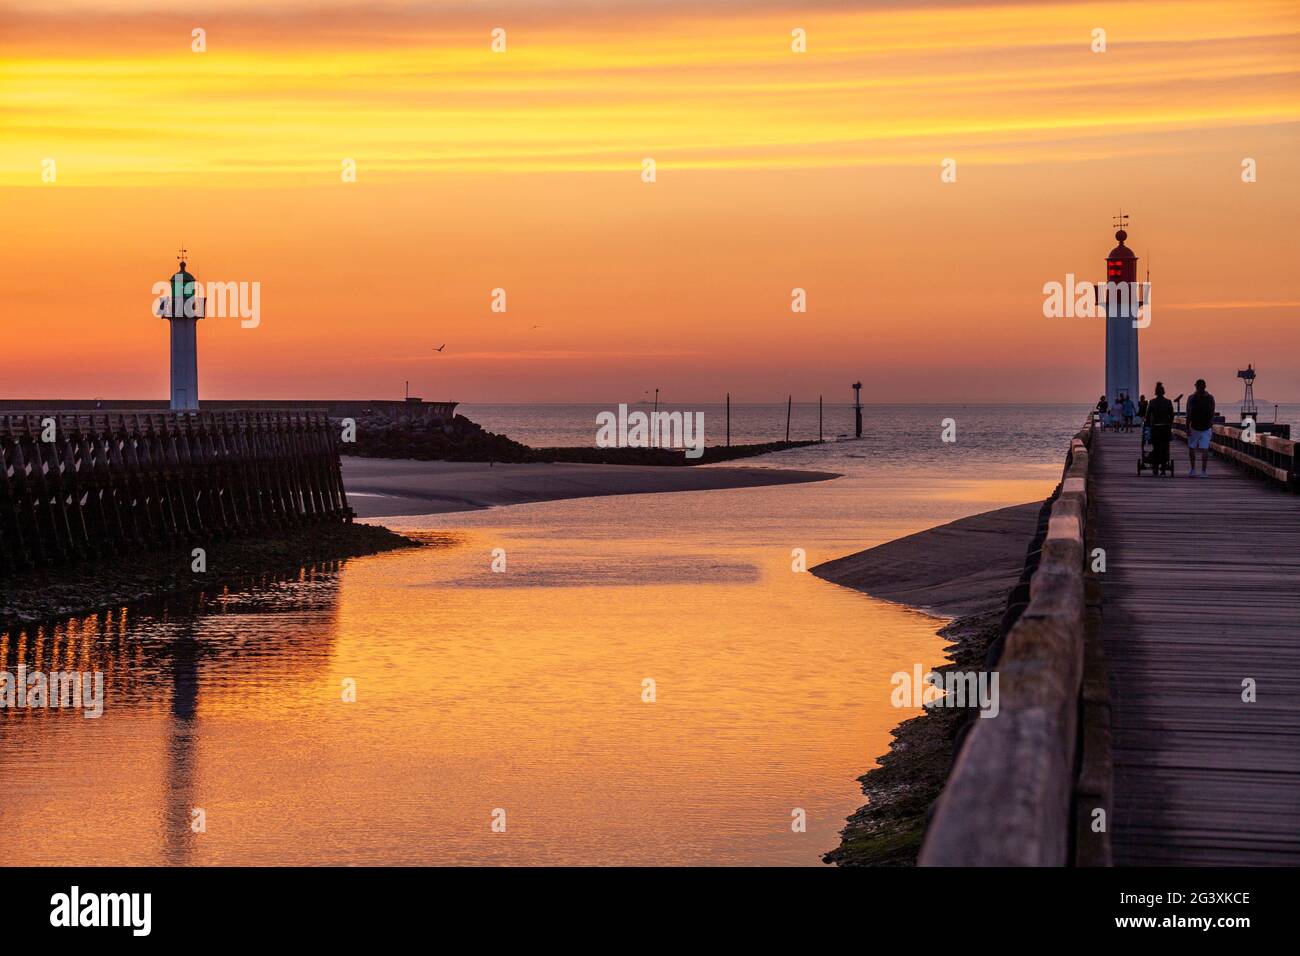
{"type": "Point", "coordinates": [1009, 797]}
{"type": "Point", "coordinates": [1268, 456]}
{"type": "Point", "coordinates": [79, 486]}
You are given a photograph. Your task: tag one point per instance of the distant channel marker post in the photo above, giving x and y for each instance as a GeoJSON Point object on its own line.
{"type": "Point", "coordinates": [857, 409]}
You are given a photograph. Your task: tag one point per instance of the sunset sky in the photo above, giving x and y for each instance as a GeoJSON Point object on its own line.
{"type": "Point", "coordinates": [522, 170]}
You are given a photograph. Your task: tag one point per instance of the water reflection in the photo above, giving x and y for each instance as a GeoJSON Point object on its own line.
{"type": "Point", "coordinates": [182, 733]}
{"type": "Point", "coordinates": [157, 660]}
{"type": "Point", "coordinates": [156, 650]}
{"type": "Point", "coordinates": [476, 690]}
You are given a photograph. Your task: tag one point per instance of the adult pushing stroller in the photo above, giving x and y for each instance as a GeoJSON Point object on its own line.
{"type": "Point", "coordinates": [1157, 458]}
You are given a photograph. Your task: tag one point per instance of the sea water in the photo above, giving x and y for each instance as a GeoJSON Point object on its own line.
{"type": "Point", "coordinates": [649, 680]}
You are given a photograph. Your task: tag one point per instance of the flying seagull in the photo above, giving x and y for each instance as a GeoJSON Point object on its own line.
{"type": "Point", "coordinates": [441, 347]}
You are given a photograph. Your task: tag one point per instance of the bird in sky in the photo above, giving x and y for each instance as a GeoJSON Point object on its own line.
{"type": "Point", "coordinates": [441, 347]}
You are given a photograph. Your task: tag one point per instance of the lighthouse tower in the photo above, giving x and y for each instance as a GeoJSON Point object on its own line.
{"type": "Point", "coordinates": [1121, 306]}
{"type": "Point", "coordinates": [183, 307]}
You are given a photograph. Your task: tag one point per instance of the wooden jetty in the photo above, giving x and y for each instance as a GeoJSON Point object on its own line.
{"type": "Point", "coordinates": [410, 407]}
{"type": "Point", "coordinates": [1150, 704]}
{"type": "Point", "coordinates": [1201, 600]}
{"type": "Point", "coordinates": [85, 486]}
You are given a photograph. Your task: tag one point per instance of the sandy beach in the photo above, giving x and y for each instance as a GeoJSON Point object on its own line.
{"type": "Point", "coordinates": [382, 487]}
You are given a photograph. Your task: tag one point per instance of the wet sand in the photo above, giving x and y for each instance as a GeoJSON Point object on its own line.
{"type": "Point", "coordinates": [956, 569]}
{"type": "Point", "coordinates": [382, 487]}
{"type": "Point", "coordinates": [376, 487]}
{"type": "Point", "coordinates": [129, 580]}
{"type": "Point", "coordinates": [964, 570]}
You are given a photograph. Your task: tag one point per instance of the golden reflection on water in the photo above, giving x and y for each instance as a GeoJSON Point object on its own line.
{"type": "Point", "coordinates": [478, 691]}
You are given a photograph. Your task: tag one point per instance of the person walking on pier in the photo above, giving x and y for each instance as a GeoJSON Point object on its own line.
{"type": "Point", "coordinates": [1129, 411]}
{"type": "Point", "coordinates": [1102, 407]}
{"type": "Point", "coordinates": [1159, 418]}
{"type": "Point", "coordinates": [1143, 404]}
{"type": "Point", "coordinates": [1200, 426]}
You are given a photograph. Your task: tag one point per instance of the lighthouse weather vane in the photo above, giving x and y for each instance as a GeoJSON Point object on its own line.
{"type": "Point", "coordinates": [183, 256]}
{"type": "Point", "coordinates": [1121, 221]}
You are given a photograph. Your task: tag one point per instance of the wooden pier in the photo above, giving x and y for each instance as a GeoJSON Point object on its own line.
{"type": "Point", "coordinates": [1149, 670]}
{"type": "Point", "coordinates": [76, 487]}
{"type": "Point", "coordinates": [1201, 595]}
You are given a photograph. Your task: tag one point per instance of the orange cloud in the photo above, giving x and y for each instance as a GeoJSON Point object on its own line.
{"type": "Point", "coordinates": [775, 170]}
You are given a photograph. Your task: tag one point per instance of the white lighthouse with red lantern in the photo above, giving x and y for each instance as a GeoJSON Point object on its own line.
{"type": "Point", "coordinates": [1122, 303]}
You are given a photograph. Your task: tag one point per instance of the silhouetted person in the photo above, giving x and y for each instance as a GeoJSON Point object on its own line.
{"type": "Point", "coordinates": [1200, 426]}
{"type": "Point", "coordinates": [1160, 419]}
{"type": "Point", "coordinates": [1129, 411]}
{"type": "Point", "coordinates": [1103, 407]}
{"type": "Point", "coordinates": [1142, 407]}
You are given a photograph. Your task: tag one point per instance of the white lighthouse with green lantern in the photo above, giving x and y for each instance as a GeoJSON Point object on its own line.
{"type": "Point", "coordinates": [183, 307]}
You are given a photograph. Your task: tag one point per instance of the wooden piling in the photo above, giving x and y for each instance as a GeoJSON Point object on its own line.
{"type": "Point", "coordinates": [112, 484]}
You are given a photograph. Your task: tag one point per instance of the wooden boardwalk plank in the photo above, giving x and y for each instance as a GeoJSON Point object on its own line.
{"type": "Point", "coordinates": [1201, 590]}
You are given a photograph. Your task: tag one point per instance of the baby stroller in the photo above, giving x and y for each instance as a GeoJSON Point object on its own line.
{"type": "Point", "coordinates": [1157, 458]}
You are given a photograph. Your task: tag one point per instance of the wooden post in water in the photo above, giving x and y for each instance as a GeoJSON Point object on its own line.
{"type": "Point", "coordinates": [789, 400]}
{"type": "Point", "coordinates": [857, 409]}
{"type": "Point", "coordinates": [728, 419]}
{"type": "Point", "coordinates": [819, 420]}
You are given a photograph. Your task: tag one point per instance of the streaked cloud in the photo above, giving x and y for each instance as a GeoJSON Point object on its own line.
{"type": "Point", "coordinates": [521, 171]}
{"type": "Point", "coordinates": [415, 89]}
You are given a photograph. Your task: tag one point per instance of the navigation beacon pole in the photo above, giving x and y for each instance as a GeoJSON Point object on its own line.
{"type": "Point", "coordinates": [857, 408]}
